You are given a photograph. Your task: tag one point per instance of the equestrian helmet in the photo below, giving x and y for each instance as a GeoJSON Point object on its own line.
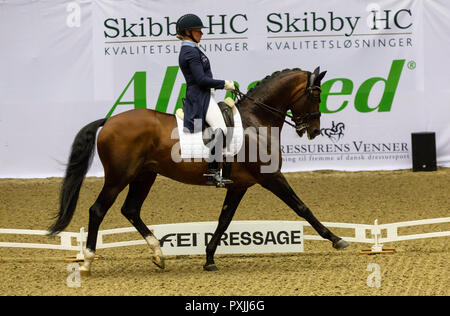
{"type": "Point", "coordinates": [188, 22]}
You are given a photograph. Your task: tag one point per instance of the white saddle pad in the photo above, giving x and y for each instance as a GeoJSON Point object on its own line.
{"type": "Point", "coordinates": [191, 144]}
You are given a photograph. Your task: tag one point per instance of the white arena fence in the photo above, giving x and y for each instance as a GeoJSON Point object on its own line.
{"type": "Point", "coordinates": [241, 236]}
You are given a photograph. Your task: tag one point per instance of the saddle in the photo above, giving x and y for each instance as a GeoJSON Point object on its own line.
{"type": "Point", "coordinates": [228, 109]}
{"type": "Point", "coordinates": [197, 145]}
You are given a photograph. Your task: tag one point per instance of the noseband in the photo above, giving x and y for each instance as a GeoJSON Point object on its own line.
{"type": "Point", "coordinates": [301, 122]}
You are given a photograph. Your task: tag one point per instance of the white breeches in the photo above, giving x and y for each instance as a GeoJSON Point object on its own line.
{"type": "Point", "coordinates": [214, 116]}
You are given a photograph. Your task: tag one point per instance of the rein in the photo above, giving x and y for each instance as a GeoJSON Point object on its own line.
{"type": "Point", "coordinates": [301, 122]}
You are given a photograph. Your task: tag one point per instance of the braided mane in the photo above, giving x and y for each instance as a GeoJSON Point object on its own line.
{"type": "Point", "coordinates": [262, 84]}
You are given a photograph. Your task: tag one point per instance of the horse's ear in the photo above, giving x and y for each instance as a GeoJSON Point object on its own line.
{"type": "Point", "coordinates": [317, 71]}
{"type": "Point", "coordinates": [319, 78]}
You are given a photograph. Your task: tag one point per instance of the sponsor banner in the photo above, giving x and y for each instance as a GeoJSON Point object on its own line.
{"type": "Point", "coordinates": [91, 59]}
{"type": "Point", "coordinates": [240, 237]}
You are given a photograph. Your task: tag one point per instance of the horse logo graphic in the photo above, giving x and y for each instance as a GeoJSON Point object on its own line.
{"type": "Point", "coordinates": [335, 133]}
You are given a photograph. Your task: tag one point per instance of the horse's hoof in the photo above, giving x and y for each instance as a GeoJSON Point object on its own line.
{"type": "Point", "coordinates": [340, 244]}
{"type": "Point", "coordinates": [85, 273]}
{"type": "Point", "coordinates": [210, 267]}
{"type": "Point", "coordinates": [159, 262]}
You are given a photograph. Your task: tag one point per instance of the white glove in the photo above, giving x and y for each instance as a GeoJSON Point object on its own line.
{"type": "Point", "coordinates": [229, 85]}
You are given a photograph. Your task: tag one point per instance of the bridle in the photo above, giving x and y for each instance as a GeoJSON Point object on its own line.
{"type": "Point", "coordinates": [301, 122]}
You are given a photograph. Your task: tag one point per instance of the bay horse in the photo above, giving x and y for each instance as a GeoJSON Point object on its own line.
{"type": "Point", "coordinates": [135, 146]}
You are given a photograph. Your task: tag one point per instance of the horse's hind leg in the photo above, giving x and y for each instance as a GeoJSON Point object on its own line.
{"type": "Point", "coordinates": [277, 184]}
{"type": "Point", "coordinates": [96, 214]}
{"type": "Point", "coordinates": [131, 209]}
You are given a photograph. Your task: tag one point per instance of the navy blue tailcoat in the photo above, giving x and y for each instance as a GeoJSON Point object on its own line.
{"type": "Point", "coordinates": [199, 80]}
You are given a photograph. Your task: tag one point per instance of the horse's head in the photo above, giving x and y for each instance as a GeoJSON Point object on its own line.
{"type": "Point", "coordinates": [305, 109]}
{"type": "Point", "coordinates": [292, 90]}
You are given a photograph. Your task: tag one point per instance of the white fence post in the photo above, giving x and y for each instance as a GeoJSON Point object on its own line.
{"type": "Point", "coordinates": [376, 233]}
{"type": "Point", "coordinates": [80, 242]}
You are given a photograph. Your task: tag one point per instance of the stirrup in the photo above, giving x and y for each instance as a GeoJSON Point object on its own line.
{"type": "Point", "coordinates": [215, 178]}
{"type": "Point", "coordinates": [222, 183]}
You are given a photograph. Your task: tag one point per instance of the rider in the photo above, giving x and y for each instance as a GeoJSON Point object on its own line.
{"type": "Point", "coordinates": [200, 105]}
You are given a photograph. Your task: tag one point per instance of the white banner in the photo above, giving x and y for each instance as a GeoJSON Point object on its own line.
{"type": "Point", "coordinates": [64, 64]}
{"type": "Point", "coordinates": [240, 237]}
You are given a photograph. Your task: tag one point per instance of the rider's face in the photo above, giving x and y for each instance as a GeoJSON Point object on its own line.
{"type": "Point", "coordinates": [197, 34]}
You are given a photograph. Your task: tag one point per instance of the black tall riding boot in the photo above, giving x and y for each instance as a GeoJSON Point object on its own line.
{"type": "Point", "coordinates": [214, 172]}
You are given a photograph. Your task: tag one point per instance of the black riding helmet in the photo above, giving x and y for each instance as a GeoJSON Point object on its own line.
{"type": "Point", "coordinates": [189, 22]}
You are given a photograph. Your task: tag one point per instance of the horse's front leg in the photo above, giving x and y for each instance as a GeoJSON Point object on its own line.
{"type": "Point", "coordinates": [232, 200]}
{"type": "Point", "coordinates": [277, 184]}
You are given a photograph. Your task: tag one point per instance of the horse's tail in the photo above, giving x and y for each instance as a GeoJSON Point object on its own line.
{"type": "Point", "coordinates": [80, 160]}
